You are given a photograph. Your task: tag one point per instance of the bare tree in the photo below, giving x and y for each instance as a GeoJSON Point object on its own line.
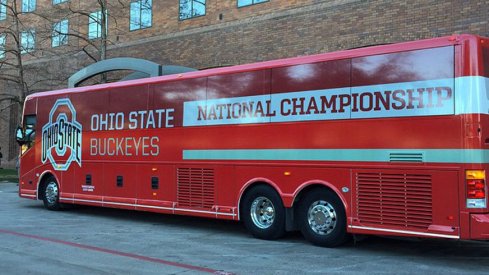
{"type": "Point", "coordinates": [90, 35]}
{"type": "Point", "coordinates": [22, 41]}
{"type": "Point", "coordinates": [12, 69]}
{"type": "Point", "coordinates": [84, 40]}
{"type": "Point", "coordinates": [16, 42]}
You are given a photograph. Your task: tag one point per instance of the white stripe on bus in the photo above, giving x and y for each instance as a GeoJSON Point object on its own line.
{"type": "Point", "coordinates": [150, 206]}
{"type": "Point", "coordinates": [404, 232]}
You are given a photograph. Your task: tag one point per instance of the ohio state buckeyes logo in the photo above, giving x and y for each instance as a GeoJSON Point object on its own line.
{"type": "Point", "coordinates": [62, 136]}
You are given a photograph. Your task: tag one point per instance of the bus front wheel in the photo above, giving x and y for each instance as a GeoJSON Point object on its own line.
{"type": "Point", "coordinates": [50, 195]}
{"type": "Point", "coordinates": [263, 213]}
{"type": "Point", "coordinates": [322, 218]}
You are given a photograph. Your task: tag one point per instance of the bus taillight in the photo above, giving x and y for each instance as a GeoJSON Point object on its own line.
{"type": "Point", "coordinates": [476, 188]}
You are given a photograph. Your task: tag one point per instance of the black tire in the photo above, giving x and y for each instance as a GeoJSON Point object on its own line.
{"type": "Point", "coordinates": [50, 194]}
{"type": "Point", "coordinates": [263, 213]}
{"type": "Point", "coordinates": [322, 218]}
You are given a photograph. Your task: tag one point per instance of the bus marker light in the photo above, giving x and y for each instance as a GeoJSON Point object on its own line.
{"type": "Point", "coordinates": [475, 174]}
{"type": "Point", "coordinates": [287, 173]}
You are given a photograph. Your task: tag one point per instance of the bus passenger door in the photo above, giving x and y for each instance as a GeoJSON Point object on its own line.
{"type": "Point", "coordinates": [26, 136]}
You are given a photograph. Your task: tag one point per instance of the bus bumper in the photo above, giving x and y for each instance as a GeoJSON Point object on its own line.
{"type": "Point", "coordinates": [479, 226]}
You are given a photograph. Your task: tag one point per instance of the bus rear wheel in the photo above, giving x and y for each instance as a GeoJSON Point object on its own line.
{"type": "Point", "coordinates": [50, 194]}
{"type": "Point", "coordinates": [263, 213]}
{"type": "Point", "coordinates": [322, 218]}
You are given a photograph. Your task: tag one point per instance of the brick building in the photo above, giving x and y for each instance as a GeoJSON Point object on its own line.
{"type": "Point", "coordinates": [59, 37]}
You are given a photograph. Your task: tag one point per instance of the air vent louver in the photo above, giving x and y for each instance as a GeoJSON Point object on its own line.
{"type": "Point", "coordinates": [394, 199]}
{"type": "Point", "coordinates": [195, 187]}
{"type": "Point", "coordinates": [405, 157]}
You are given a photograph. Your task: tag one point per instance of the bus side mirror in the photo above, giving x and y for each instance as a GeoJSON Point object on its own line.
{"type": "Point", "coordinates": [20, 136]}
{"type": "Point", "coordinates": [29, 132]}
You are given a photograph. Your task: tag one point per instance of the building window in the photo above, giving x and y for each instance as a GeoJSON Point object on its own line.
{"type": "Point", "coordinates": [95, 25]}
{"type": "Point", "coordinates": [60, 33]}
{"type": "Point", "coordinates": [55, 2]}
{"type": "Point", "coordinates": [244, 3]}
{"type": "Point", "coordinates": [140, 14]}
{"type": "Point", "coordinates": [191, 8]}
{"type": "Point", "coordinates": [28, 5]}
{"type": "Point", "coordinates": [27, 41]}
{"type": "Point", "coordinates": [2, 46]}
{"type": "Point", "coordinates": [3, 9]}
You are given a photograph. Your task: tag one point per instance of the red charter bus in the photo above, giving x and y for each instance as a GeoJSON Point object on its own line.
{"type": "Point", "coordinates": [385, 140]}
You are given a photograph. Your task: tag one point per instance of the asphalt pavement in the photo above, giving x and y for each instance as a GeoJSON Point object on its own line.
{"type": "Point", "coordinates": [91, 240]}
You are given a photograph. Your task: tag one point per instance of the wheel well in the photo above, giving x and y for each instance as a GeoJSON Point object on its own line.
{"type": "Point", "coordinates": [42, 184]}
{"type": "Point", "coordinates": [307, 190]}
{"type": "Point", "coordinates": [250, 187]}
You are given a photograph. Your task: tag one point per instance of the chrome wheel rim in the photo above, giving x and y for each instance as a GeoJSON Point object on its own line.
{"type": "Point", "coordinates": [262, 212]}
{"type": "Point", "coordinates": [51, 193]}
{"type": "Point", "coordinates": [322, 217]}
